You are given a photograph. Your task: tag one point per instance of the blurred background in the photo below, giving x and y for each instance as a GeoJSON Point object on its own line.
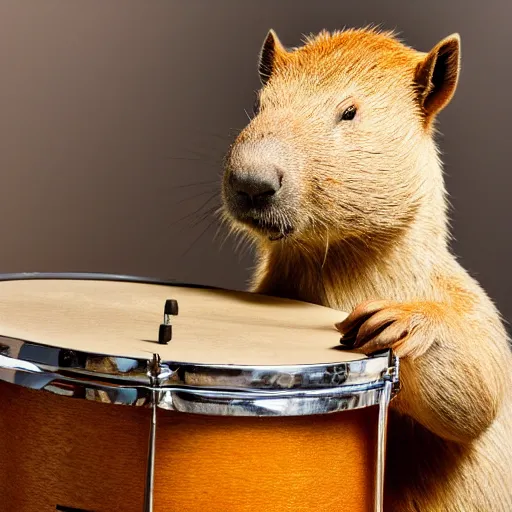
{"type": "Point", "coordinates": [115, 115]}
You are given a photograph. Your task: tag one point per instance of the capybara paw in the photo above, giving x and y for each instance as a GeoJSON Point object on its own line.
{"type": "Point", "coordinates": [407, 328]}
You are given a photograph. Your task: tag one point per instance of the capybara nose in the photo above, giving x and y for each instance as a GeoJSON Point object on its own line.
{"type": "Point", "coordinates": [255, 189]}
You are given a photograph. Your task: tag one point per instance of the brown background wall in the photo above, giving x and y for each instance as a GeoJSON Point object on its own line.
{"type": "Point", "coordinates": [114, 116]}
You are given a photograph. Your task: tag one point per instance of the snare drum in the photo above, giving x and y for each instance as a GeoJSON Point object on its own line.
{"type": "Point", "coordinates": [249, 406]}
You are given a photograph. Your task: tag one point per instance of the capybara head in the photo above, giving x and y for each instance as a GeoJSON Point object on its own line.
{"type": "Point", "coordinates": [341, 139]}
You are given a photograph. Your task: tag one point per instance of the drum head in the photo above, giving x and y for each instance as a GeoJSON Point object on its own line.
{"type": "Point", "coordinates": [213, 327]}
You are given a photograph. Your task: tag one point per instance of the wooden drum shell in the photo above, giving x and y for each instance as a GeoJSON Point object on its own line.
{"type": "Point", "coordinates": [92, 456]}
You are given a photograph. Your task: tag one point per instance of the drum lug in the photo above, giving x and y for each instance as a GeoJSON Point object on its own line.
{"type": "Point", "coordinates": [392, 373]}
{"type": "Point", "coordinates": [158, 371]}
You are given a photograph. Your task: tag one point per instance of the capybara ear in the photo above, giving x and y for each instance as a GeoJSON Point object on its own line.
{"type": "Point", "coordinates": [272, 55]}
{"type": "Point", "coordinates": [437, 75]}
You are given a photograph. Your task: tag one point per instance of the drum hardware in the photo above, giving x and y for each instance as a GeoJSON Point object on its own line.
{"type": "Point", "coordinates": [165, 331]}
{"type": "Point", "coordinates": [170, 309]}
{"type": "Point", "coordinates": [153, 374]}
{"type": "Point", "coordinates": [391, 383]}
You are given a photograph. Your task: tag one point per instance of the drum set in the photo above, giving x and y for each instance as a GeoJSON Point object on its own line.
{"type": "Point", "coordinates": [127, 394]}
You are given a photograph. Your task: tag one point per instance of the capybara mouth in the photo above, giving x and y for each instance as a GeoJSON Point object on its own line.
{"type": "Point", "coordinates": [273, 231]}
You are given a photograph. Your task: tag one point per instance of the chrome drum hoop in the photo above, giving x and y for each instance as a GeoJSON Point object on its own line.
{"type": "Point", "coordinates": [223, 390]}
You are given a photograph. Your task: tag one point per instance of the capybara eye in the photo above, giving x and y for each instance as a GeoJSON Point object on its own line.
{"type": "Point", "coordinates": [349, 114]}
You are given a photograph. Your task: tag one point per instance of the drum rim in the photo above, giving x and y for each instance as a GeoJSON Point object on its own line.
{"type": "Point", "coordinates": [217, 399]}
{"type": "Point", "coordinates": [246, 390]}
{"type": "Point", "coordinates": [101, 276]}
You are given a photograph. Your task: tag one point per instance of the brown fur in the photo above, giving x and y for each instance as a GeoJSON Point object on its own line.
{"type": "Point", "coordinates": [366, 203]}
